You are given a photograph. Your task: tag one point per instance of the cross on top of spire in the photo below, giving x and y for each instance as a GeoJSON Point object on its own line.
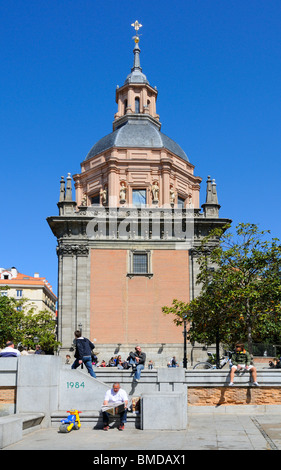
{"type": "Point", "coordinates": [136, 75]}
{"type": "Point", "coordinates": [136, 25]}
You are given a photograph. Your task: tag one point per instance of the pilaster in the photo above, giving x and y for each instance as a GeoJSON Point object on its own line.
{"type": "Point", "coordinates": [73, 303]}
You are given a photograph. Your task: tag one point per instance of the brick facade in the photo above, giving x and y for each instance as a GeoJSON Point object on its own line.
{"type": "Point", "coordinates": [129, 310]}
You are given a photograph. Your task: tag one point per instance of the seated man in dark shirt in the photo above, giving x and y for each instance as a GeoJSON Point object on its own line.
{"type": "Point", "coordinates": [137, 361]}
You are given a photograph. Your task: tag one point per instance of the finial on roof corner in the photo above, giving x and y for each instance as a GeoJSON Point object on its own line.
{"type": "Point", "coordinates": [66, 204]}
{"type": "Point", "coordinates": [211, 206]}
{"type": "Point", "coordinates": [68, 193]}
{"type": "Point", "coordinates": [62, 189]}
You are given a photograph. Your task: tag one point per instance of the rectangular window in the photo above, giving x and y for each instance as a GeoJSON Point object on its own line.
{"type": "Point", "coordinates": [140, 263]}
{"type": "Point", "coordinates": [139, 197]}
{"type": "Point", "coordinates": [95, 200]}
{"type": "Point", "coordinates": [19, 293]}
{"type": "Point", "coordinates": [180, 202]}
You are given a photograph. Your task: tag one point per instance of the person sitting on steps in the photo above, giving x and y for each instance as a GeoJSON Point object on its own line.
{"type": "Point", "coordinates": [137, 361]}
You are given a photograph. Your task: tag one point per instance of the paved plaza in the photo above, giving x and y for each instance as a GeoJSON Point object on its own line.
{"type": "Point", "coordinates": [205, 431]}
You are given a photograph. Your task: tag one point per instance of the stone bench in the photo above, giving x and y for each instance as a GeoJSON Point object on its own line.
{"type": "Point", "coordinates": [14, 427]}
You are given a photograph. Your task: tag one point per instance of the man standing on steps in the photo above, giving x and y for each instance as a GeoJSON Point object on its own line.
{"type": "Point", "coordinates": [83, 353]}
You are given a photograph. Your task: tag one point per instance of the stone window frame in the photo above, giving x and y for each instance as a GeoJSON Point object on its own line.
{"type": "Point", "coordinates": [130, 267]}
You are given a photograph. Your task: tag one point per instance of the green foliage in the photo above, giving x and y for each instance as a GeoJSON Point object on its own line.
{"type": "Point", "coordinates": [21, 324]}
{"type": "Point", "coordinates": [240, 298]}
{"type": "Point", "coordinates": [41, 325]}
{"type": "Point", "coordinates": [11, 319]}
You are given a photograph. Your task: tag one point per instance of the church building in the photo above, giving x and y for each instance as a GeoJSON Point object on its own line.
{"type": "Point", "coordinates": [126, 242]}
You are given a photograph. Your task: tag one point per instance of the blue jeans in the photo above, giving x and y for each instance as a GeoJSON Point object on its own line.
{"type": "Point", "coordinates": [123, 417]}
{"type": "Point", "coordinates": [139, 368]}
{"type": "Point", "coordinates": [87, 360]}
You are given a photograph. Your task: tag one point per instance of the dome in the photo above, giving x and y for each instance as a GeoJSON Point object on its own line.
{"type": "Point", "coordinates": [136, 76]}
{"type": "Point", "coordinates": [137, 133]}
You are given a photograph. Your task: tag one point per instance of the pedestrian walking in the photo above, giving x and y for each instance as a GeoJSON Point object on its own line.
{"type": "Point", "coordinates": [83, 353]}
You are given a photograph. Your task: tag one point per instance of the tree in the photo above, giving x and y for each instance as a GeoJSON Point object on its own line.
{"type": "Point", "coordinates": [11, 319]}
{"type": "Point", "coordinates": [240, 295]}
{"type": "Point", "coordinates": [41, 325]}
{"type": "Point", "coordinates": [19, 322]}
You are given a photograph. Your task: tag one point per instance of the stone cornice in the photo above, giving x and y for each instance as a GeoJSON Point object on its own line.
{"type": "Point", "coordinates": [66, 249]}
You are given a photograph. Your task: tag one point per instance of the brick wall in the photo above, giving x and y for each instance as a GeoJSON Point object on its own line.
{"type": "Point", "coordinates": [214, 396]}
{"type": "Point", "coordinates": [129, 310]}
{"type": "Point", "coordinates": [7, 399]}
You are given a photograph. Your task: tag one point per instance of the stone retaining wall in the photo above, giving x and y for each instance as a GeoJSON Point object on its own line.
{"type": "Point", "coordinates": [217, 396]}
{"type": "Point", "coordinates": [45, 384]}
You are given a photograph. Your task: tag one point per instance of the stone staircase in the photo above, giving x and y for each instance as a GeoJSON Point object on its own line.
{"type": "Point", "coordinates": [107, 376]}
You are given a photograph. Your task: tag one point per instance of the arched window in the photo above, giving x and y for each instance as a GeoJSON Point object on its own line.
{"type": "Point", "coordinates": [125, 106]}
{"type": "Point", "coordinates": [148, 106]}
{"type": "Point", "coordinates": [137, 105]}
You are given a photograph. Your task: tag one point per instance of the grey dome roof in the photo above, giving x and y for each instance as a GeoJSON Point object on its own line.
{"type": "Point", "coordinates": [136, 76]}
{"type": "Point", "coordinates": [137, 133]}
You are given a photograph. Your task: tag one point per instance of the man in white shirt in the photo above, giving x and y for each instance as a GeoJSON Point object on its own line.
{"type": "Point", "coordinates": [114, 397]}
{"type": "Point", "coordinates": [9, 350]}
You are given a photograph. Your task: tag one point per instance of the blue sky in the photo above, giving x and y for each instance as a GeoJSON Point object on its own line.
{"type": "Point", "coordinates": [217, 68]}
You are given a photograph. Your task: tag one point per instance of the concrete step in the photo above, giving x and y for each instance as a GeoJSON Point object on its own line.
{"type": "Point", "coordinates": [107, 374]}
